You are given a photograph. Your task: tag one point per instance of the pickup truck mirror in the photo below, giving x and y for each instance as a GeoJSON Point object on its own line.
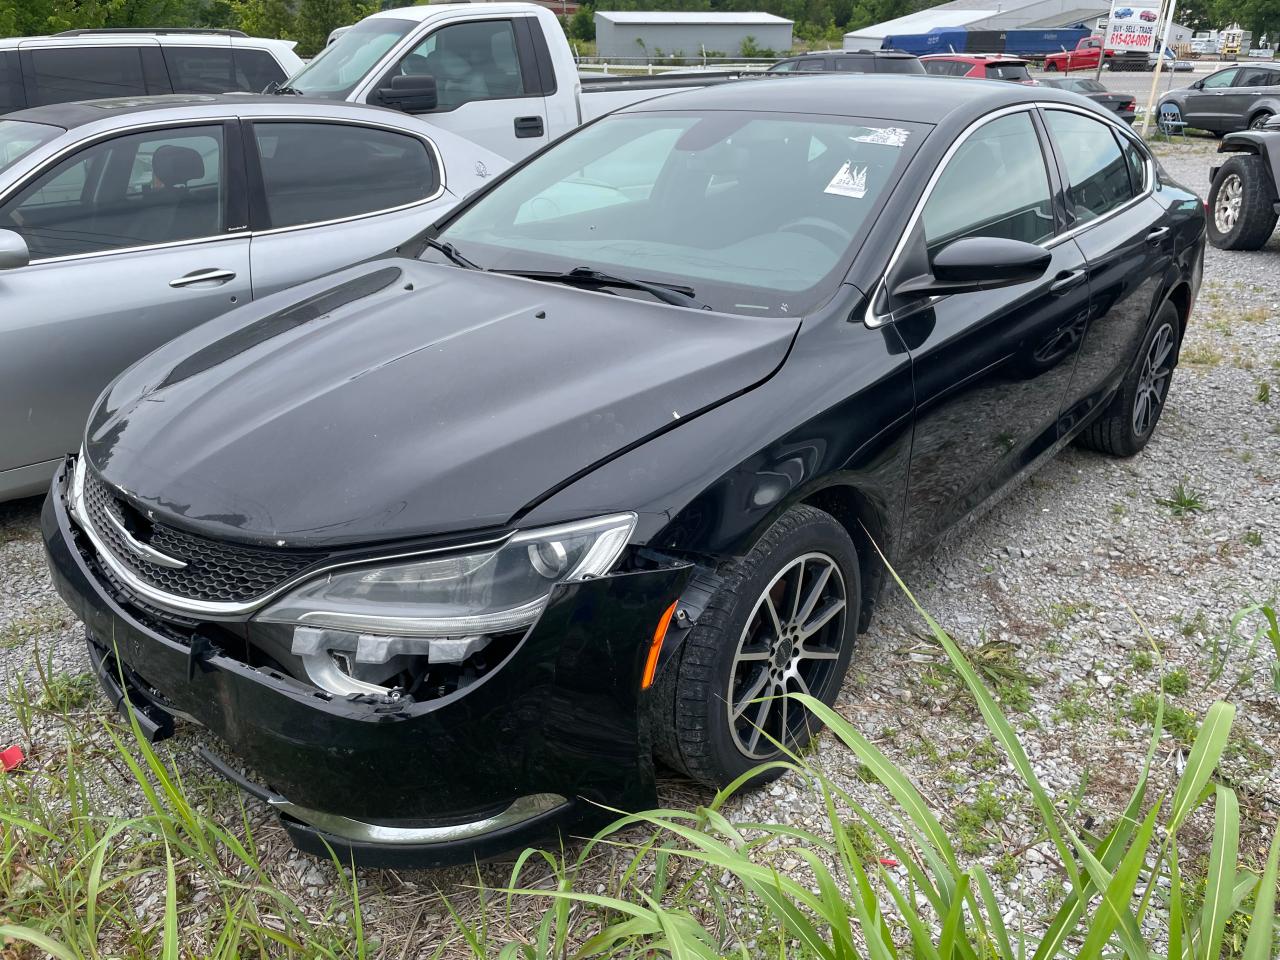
{"type": "Point", "coordinates": [13, 250]}
{"type": "Point", "coordinates": [415, 93]}
{"type": "Point", "coordinates": [977, 263]}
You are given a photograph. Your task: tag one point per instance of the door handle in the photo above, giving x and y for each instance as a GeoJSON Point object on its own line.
{"type": "Point", "coordinates": [204, 276]}
{"type": "Point", "coordinates": [1065, 281]}
{"type": "Point", "coordinates": [1158, 234]}
{"type": "Point", "coordinates": [529, 127]}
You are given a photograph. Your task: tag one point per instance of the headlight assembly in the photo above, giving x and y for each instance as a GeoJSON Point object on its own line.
{"type": "Point", "coordinates": [368, 619]}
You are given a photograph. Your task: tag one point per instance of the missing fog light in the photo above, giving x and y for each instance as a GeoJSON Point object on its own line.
{"type": "Point", "coordinates": [346, 663]}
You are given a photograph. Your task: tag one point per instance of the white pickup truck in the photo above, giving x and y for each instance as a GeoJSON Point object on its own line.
{"type": "Point", "coordinates": [499, 74]}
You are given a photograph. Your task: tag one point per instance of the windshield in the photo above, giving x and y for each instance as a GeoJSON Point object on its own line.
{"type": "Point", "coordinates": [756, 213]}
{"type": "Point", "coordinates": [337, 68]}
{"type": "Point", "coordinates": [18, 138]}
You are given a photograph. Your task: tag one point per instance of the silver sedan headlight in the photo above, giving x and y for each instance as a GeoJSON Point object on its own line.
{"type": "Point", "coordinates": [445, 608]}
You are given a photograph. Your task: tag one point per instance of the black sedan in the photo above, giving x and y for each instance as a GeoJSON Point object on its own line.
{"type": "Point", "coordinates": [448, 547]}
{"type": "Point", "coordinates": [1122, 105]}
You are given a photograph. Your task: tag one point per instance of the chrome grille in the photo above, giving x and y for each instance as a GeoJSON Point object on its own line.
{"type": "Point", "coordinates": [215, 571]}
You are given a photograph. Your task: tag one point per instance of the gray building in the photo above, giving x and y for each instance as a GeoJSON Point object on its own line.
{"type": "Point", "coordinates": [639, 34]}
{"type": "Point", "coordinates": [982, 15]}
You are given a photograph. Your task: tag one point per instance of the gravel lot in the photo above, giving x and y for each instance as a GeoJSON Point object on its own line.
{"type": "Point", "coordinates": [1054, 581]}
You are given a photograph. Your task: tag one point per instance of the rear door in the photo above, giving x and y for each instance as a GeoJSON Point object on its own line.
{"type": "Point", "coordinates": [1118, 225]}
{"type": "Point", "coordinates": [1250, 84]}
{"type": "Point", "coordinates": [488, 83]}
{"type": "Point", "coordinates": [991, 368]}
{"type": "Point", "coordinates": [134, 239]}
{"type": "Point", "coordinates": [327, 194]}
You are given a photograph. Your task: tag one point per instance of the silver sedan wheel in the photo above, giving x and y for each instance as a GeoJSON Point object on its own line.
{"type": "Point", "coordinates": [1153, 384]}
{"type": "Point", "coordinates": [791, 644]}
{"type": "Point", "coordinates": [1226, 208]}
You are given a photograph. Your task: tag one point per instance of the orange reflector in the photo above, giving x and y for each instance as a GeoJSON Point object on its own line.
{"type": "Point", "coordinates": [655, 648]}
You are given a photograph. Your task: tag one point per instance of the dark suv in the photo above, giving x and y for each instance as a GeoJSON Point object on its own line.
{"type": "Point", "coordinates": [850, 61]}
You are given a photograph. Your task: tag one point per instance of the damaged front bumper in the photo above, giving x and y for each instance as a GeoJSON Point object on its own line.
{"type": "Point", "coordinates": [542, 742]}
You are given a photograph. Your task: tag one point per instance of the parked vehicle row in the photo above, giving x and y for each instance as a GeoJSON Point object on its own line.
{"type": "Point", "coordinates": [981, 66]}
{"type": "Point", "coordinates": [450, 544]}
{"type": "Point", "coordinates": [125, 223]}
{"type": "Point", "coordinates": [92, 64]}
{"type": "Point", "coordinates": [1122, 105]}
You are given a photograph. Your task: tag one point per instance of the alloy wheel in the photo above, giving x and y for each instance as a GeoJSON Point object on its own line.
{"type": "Point", "coordinates": [791, 644]}
{"type": "Point", "coordinates": [1226, 208]}
{"type": "Point", "coordinates": [1153, 384]}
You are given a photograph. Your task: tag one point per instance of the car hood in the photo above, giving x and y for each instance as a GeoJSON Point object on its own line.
{"type": "Point", "coordinates": [403, 399]}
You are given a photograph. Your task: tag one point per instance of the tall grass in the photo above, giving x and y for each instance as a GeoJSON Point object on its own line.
{"type": "Point", "coordinates": [691, 884]}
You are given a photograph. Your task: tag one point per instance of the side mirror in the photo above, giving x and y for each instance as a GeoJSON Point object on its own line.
{"type": "Point", "coordinates": [1198, 85]}
{"type": "Point", "coordinates": [13, 250]}
{"type": "Point", "coordinates": [978, 263]}
{"type": "Point", "coordinates": [415, 93]}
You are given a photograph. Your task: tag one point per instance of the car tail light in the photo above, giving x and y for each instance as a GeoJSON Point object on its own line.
{"type": "Point", "coordinates": [1131, 105]}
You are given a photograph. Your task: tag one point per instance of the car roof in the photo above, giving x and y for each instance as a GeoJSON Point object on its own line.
{"type": "Point", "coordinates": [890, 54]}
{"type": "Point", "coordinates": [974, 57]}
{"type": "Point", "coordinates": [185, 106]}
{"type": "Point", "coordinates": [923, 99]}
{"type": "Point", "coordinates": [175, 37]}
{"type": "Point", "coordinates": [425, 10]}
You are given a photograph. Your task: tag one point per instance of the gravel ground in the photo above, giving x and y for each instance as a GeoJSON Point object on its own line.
{"type": "Point", "coordinates": [1059, 580]}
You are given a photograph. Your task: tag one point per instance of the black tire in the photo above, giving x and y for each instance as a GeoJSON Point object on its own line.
{"type": "Point", "coordinates": [1242, 214]}
{"type": "Point", "coordinates": [1122, 431]}
{"type": "Point", "coordinates": [1259, 120]}
{"type": "Point", "coordinates": [1050, 68]}
{"type": "Point", "coordinates": [693, 732]}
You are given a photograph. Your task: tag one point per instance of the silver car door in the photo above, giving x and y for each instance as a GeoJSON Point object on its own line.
{"type": "Point", "coordinates": [132, 242]}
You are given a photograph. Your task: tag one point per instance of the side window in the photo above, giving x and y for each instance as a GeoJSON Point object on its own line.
{"type": "Point", "coordinates": [1098, 173]}
{"type": "Point", "coordinates": [315, 172]}
{"type": "Point", "coordinates": [812, 65]}
{"type": "Point", "coordinates": [256, 70]}
{"type": "Point", "coordinates": [470, 61]}
{"type": "Point", "coordinates": [1257, 77]}
{"type": "Point", "coordinates": [11, 95]}
{"type": "Point", "coordinates": [1223, 78]}
{"type": "Point", "coordinates": [201, 69]}
{"type": "Point", "coordinates": [996, 185]}
{"type": "Point", "coordinates": [786, 66]}
{"type": "Point", "coordinates": [855, 64]}
{"type": "Point", "coordinates": [1136, 160]}
{"type": "Point", "coordinates": [85, 73]}
{"type": "Point", "coordinates": [138, 190]}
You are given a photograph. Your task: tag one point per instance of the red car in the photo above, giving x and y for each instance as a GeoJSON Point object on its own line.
{"type": "Point", "coordinates": [992, 67]}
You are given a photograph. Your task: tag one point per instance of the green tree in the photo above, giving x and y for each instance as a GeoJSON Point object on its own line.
{"type": "Point", "coordinates": [264, 18]}
{"type": "Point", "coordinates": [316, 19]}
{"type": "Point", "coordinates": [582, 25]}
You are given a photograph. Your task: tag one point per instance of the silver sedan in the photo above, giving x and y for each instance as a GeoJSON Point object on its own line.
{"type": "Point", "coordinates": [124, 223]}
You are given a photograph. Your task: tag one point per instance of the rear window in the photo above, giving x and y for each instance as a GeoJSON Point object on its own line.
{"type": "Point", "coordinates": [1008, 71]}
{"type": "Point", "coordinates": [898, 65]}
{"type": "Point", "coordinates": [945, 68]}
{"type": "Point", "coordinates": [257, 69]}
{"type": "Point", "coordinates": [86, 73]}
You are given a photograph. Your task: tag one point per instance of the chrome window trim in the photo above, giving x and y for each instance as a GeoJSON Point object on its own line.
{"type": "Point", "coordinates": [219, 608]}
{"type": "Point", "coordinates": [47, 164]}
{"type": "Point", "coordinates": [872, 320]}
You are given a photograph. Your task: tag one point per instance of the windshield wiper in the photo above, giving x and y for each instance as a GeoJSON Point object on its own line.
{"type": "Point", "coordinates": [288, 91]}
{"type": "Point", "coordinates": [450, 251]}
{"type": "Point", "coordinates": [588, 277]}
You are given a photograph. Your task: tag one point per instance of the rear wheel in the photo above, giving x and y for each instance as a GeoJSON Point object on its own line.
{"type": "Point", "coordinates": [1242, 214]}
{"type": "Point", "coordinates": [1131, 418]}
{"type": "Point", "coordinates": [783, 621]}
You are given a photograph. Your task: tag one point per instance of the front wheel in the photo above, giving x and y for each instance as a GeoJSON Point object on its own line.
{"type": "Point", "coordinates": [1130, 419]}
{"type": "Point", "coordinates": [1242, 204]}
{"type": "Point", "coordinates": [783, 621]}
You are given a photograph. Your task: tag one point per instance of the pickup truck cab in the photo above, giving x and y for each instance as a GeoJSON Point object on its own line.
{"type": "Point", "coordinates": [499, 74]}
{"type": "Point", "coordinates": [1083, 57]}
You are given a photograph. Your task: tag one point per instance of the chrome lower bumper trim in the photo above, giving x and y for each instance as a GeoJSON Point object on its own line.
{"type": "Point", "coordinates": [520, 811]}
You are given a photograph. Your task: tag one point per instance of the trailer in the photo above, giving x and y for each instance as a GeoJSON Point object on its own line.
{"type": "Point", "coordinates": [1030, 44]}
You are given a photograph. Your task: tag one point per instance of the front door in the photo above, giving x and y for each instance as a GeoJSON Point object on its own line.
{"type": "Point", "coordinates": [991, 367]}
{"type": "Point", "coordinates": [1206, 106]}
{"type": "Point", "coordinates": [129, 248]}
{"type": "Point", "coordinates": [487, 82]}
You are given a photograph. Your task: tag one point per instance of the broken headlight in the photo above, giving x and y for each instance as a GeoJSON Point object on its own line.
{"type": "Point", "coordinates": [357, 630]}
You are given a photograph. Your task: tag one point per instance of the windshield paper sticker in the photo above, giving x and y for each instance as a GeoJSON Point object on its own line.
{"type": "Point", "coordinates": [849, 181]}
{"type": "Point", "coordinates": [889, 136]}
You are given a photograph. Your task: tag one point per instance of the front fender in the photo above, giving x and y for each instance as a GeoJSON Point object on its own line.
{"type": "Point", "coordinates": [1264, 143]}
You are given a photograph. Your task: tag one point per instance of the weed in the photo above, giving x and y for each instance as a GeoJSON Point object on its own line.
{"type": "Point", "coordinates": [1264, 392]}
{"type": "Point", "coordinates": [1077, 706]}
{"type": "Point", "coordinates": [1252, 538]}
{"type": "Point", "coordinates": [1142, 661]}
{"type": "Point", "coordinates": [1179, 723]}
{"type": "Point", "coordinates": [51, 618]}
{"type": "Point", "coordinates": [974, 818]}
{"type": "Point", "coordinates": [1184, 501]}
{"type": "Point", "coordinates": [64, 691]}
{"type": "Point", "coordinates": [1190, 626]}
{"type": "Point", "coordinates": [1176, 683]}
{"type": "Point", "coordinates": [1200, 355]}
